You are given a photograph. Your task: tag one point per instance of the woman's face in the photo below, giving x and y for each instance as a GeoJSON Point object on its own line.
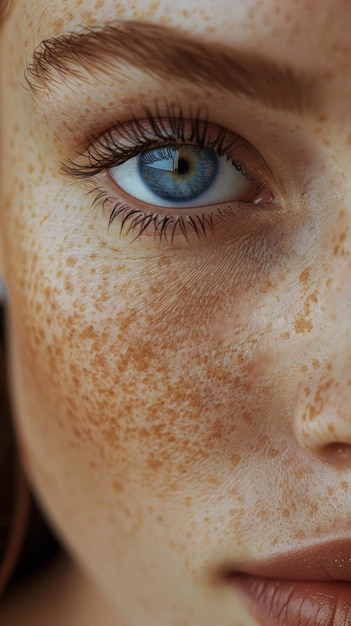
{"type": "Point", "coordinates": [180, 322]}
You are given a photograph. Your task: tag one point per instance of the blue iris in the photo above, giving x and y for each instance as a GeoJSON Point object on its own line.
{"type": "Point", "coordinates": [178, 173]}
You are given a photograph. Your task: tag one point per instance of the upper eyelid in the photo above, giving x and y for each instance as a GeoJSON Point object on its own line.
{"type": "Point", "coordinates": [176, 127]}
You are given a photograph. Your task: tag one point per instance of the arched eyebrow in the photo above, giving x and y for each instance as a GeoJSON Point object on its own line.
{"type": "Point", "coordinates": [167, 53]}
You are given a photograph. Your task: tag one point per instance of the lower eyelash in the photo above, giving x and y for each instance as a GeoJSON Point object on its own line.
{"type": "Point", "coordinates": [164, 226]}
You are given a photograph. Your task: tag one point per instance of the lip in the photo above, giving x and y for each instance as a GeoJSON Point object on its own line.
{"type": "Point", "coordinates": [301, 603]}
{"type": "Point", "coordinates": [310, 586]}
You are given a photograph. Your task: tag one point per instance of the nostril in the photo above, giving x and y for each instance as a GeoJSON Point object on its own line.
{"type": "Point", "coordinates": [336, 453]}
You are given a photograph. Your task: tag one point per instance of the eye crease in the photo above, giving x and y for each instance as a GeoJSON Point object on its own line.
{"type": "Point", "coordinates": [188, 168]}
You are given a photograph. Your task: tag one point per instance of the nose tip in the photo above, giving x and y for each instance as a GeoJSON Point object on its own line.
{"type": "Point", "coordinates": [323, 422]}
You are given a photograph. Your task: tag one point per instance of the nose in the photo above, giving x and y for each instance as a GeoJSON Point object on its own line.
{"type": "Point", "coordinates": [323, 417]}
{"type": "Point", "coordinates": [323, 409]}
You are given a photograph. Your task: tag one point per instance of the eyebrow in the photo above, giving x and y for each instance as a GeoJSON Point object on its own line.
{"type": "Point", "coordinates": [167, 53]}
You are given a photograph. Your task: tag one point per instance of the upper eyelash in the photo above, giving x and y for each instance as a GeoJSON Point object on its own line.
{"type": "Point", "coordinates": [116, 146]}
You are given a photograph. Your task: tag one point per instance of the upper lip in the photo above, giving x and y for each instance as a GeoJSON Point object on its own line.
{"type": "Point", "coordinates": [328, 561]}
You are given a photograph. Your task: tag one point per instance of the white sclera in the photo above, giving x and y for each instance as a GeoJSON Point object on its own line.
{"type": "Point", "coordinates": [230, 185]}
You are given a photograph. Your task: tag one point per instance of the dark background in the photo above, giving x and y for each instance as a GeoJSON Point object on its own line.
{"type": "Point", "coordinates": [39, 544]}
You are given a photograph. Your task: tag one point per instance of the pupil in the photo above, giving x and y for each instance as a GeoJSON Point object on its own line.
{"type": "Point", "coordinates": [178, 173]}
{"type": "Point", "coordinates": [183, 166]}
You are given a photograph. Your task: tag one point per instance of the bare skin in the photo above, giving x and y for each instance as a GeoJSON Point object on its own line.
{"type": "Point", "coordinates": [181, 404]}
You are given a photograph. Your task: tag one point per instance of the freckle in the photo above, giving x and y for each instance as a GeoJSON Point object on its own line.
{"type": "Point", "coordinates": [307, 307]}
{"type": "Point", "coordinates": [300, 534]}
{"type": "Point", "coordinates": [71, 260]}
{"type": "Point", "coordinates": [304, 276]}
{"type": "Point", "coordinates": [302, 325]}
{"type": "Point", "coordinates": [153, 463]}
{"type": "Point", "coordinates": [247, 417]}
{"type": "Point", "coordinates": [330, 491]}
{"type": "Point", "coordinates": [312, 413]}
{"type": "Point", "coordinates": [68, 286]}
{"type": "Point", "coordinates": [331, 429]}
{"type": "Point", "coordinates": [345, 485]}
{"type": "Point", "coordinates": [118, 486]}
{"type": "Point", "coordinates": [164, 261]}
{"type": "Point", "coordinates": [314, 297]}
{"type": "Point", "coordinates": [58, 27]}
{"type": "Point", "coordinates": [263, 514]}
{"type": "Point", "coordinates": [303, 369]}
{"type": "Point", "coordinates": [286, 513]}
{"type": "Point", "coordinates": [274, 541]}
{"type": "Point", "coordinates": [235, 460]}
{"type": "Point", "coordinates": [348, 140]}
{"type": "Point", "coordinates": [326, 142]}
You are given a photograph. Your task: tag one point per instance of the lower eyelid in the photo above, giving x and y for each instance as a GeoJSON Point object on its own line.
{"type": "Point", "coordinates": [147, 208]}
{"type": "Point", "coordinates": [221, 224]}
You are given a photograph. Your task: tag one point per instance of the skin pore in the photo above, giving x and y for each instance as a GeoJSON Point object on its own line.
{"type": "Point", "coordinates": [180, 402]}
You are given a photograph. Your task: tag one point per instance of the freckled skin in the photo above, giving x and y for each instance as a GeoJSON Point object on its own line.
{"type": "Point", "coordinates": [181, 406]}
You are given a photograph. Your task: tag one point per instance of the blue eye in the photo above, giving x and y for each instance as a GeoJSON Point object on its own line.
{"type": "Point", "coordinates": [183, 175]}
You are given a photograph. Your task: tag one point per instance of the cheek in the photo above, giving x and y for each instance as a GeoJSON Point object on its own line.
{"type": "Point", "coordinates": [118, 382]}
{"type": "Point", "coordinates": [148, 362]}
{"type": "Point", "coordinates": [133, 363]}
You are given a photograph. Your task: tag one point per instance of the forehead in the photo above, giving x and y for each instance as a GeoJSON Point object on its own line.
{"type": "Point", "coordinates": [260, 22]}
{"type": "Point", "coordinates": [310, 35]}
